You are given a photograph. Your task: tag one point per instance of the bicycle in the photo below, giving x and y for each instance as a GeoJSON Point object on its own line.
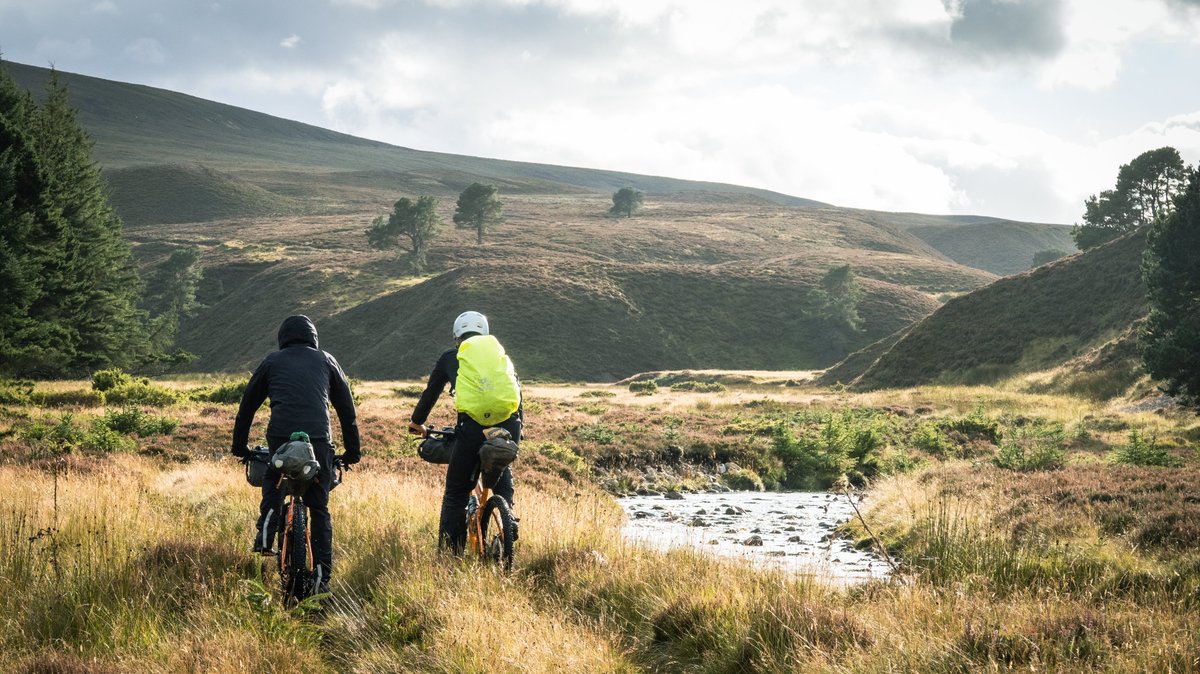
{"type": "Point", "coordinates": [294, 547]}
{"type": "Point", "coordinates": [494, 517]}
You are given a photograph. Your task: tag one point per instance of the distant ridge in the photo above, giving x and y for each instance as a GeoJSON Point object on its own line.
{"type": "Point", "coordinates": [127, 119]}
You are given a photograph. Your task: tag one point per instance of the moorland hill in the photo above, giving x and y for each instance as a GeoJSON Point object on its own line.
{"type": "Point", "coordinates": [707, 275]}
{"type": "Point", "coordinates": [1077, 314]}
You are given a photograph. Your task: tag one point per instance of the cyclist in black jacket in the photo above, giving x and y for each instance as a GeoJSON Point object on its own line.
{"type": "Point", "coordinates": [301, 381]}
{"type": "Point", "coordinates": [468, 438]}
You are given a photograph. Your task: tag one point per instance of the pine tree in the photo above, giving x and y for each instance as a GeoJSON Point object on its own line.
{"type": "Point", "coordinates": [74, 304]}
{"type": "Point", "coordinates": [1170, 339]}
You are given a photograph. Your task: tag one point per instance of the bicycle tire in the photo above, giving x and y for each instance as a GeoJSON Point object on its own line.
{"type": "Point", "coordinates": [293, 557]}
{"type": "Point", "coordinates": [498, 518]}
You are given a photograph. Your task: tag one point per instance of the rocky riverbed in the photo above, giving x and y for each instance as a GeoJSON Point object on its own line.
{"type": "Point", "coordinates": [790, 530]}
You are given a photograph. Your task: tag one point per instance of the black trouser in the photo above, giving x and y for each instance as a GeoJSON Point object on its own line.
{"type": "Point", "coordinates": [316, 497]}
{"type": "Point", "coordinates": [461, 475]}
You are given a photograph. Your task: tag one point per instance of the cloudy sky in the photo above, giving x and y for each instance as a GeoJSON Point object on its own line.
{"type": "Point", "coordinates": [1015, 108]}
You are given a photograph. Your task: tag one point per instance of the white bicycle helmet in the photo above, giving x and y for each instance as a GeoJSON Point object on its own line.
{"type": "Point", "coordinates": [470, 321]}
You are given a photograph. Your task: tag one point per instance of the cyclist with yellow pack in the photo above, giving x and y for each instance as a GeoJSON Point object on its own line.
{"type": "Point", "coordinates": [487, 395]}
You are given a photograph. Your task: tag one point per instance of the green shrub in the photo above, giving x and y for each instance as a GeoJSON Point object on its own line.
{"type": "Point", "coordinates": [597, 393]}
{"type": "Point", "coordinates": [1032, 447]}
{"type": "Point", "coordinates": [1142, 452]}
{"type": "Point", "coordinates": [63, 435]}
{"type": "Point", "coordinates": [932, 440]}
{"type": "Point", "coordinates": [107, 380]}
{"type": "Point", "coordinates": [841, 444]}
{"type": "Point", "coordinates": [643, 387]}
{"type": "Point", "coordinates": [974, 426]}
{"type": "Point", "coordinates": [699, 386]}
{"type": "Point", "coordinates": [99, 437]}
{"type": "Point", "coordinates": [227, 393]}
{"type": "Point", "coordinates": [142, 392]}
{"type": "Point", "coordinates": [16, 392]}
{"type": "Point", "coordinates": [561, 453]}
{"type": "Point", "coordinates": [78, 397]}
{"type": "Point", "coordinates": [132, 420]}
{"type": "Point", "coordinates": [409, 391]}
{"type": "Point", "coordinates": [597, 433]}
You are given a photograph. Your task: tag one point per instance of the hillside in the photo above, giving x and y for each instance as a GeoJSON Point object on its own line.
{"type": "Point", "coordinates": [996, 245]}
{"type": "Point", "coordinates": [706, 275]}
{"type": "Point", "coordinates": [672, 288]}
{"type": "Point", "coordinates": [1064, 311]}
{"type": "Point", "coordinates": [1002, 247]}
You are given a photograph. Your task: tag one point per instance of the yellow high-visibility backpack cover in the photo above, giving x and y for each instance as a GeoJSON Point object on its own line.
{"type": "Point", "coordinates": [486, 388]}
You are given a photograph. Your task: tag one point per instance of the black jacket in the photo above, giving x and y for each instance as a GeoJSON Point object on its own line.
{"type": "Point", "coordinates": [301, 381]}
{"type": "Point", "coordinates": [445, 371]}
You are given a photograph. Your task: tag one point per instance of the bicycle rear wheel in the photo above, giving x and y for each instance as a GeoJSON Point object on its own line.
{"type": "Point", "coordinates": [498, 527]}
{"type": "Point", "coordinates": [293, 556]}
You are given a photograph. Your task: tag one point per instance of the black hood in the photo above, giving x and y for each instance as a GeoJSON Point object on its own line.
{"type": "Point", "coordinates": [297, 330]}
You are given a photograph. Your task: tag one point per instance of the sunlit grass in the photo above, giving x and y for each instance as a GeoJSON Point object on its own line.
{"type": "Point", "coordinates": [139, 561]}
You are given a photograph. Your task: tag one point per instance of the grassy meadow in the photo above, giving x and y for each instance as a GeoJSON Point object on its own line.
{"type": "Point", "coordinates": [1034, 532]}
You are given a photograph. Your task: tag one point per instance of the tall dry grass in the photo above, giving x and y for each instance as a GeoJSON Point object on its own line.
{"type": "Point", "coordinates": [139, 561]}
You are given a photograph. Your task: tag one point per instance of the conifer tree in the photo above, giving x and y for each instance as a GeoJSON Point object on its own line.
{"type": "Point", "coordinates": [75, 304]}
{"type": "Point", "coordinates": [1170, 338]}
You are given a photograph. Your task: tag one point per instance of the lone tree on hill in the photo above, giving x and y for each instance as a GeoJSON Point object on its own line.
{"type": "Point", "coordinates": [1145, 191]}
{"type": "Point", "coordinates": [833, 305]}
{"type": "Point", "coordinates": [625, 201]}
{"type": "Point", "coordinates": [70, 289]}
{"type": "Point", "coordinates": [415, 220]}
{"type": "Point", "coordinates": [480, 209]}
{"type": "Point", "coordinates": [1170, 338]}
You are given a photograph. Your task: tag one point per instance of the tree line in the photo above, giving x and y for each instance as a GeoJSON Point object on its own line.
{"type": "Point", "coordinates": [72, 299]}
{"type": "Point", "coordinates": [1158, 192]}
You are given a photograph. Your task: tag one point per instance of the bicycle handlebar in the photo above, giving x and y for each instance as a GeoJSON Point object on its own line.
{"type": "Point", "coordinates": [446, 432]}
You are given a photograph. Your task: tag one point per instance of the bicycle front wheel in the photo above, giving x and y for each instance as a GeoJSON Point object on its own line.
{"type": "Point", "coordinates": [293, 556]}
{"type": "Point", "coordinates": [498, 529]}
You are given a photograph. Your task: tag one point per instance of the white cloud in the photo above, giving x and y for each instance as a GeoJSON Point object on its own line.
{"type": "Point", "coordinates": [106, 7]}
{"type": "Point", "coordinates": [290, 42]}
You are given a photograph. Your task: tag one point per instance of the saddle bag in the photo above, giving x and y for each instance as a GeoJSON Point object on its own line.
{"type": "Point", "coordinates": [496, 453]}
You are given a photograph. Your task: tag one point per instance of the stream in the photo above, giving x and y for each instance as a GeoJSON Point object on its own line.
{"type": "Point", "coordinates": [788, 530]}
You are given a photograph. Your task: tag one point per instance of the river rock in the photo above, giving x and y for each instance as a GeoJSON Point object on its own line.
{"type": "Point", "coordinates": [641, 515]}
{"type": "Point", "coordinates": [673, 495]}
{"type": "Point", "coordinates": [702, 511]}
{"type": "Point", "coordinates": [794, 539]}
{"type": "Point", "coordinates": [753, 541]}
{"type": "Point", "coordinates": [697, 522]}
{"type": "Point", "coordinates": [734, 510]}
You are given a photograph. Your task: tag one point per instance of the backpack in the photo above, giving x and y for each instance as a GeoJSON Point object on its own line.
{"type": "Point", "coordinates": [486, 388]}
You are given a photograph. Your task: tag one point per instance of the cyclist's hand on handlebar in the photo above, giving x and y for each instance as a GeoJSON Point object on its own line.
{"type": "Point", "coordinates": [242, 452]}
{"type": "Point", "coordinates": [417, 429]}
{"type": "Point", "coordinates": [342, 462]}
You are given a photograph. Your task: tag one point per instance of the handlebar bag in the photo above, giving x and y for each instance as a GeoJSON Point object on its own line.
{"type": "Point", "coordinates": [436, 450]}
{"type": "Point", "coordinates": [256, 466]}
{"type": "Point", "coordinates": [297, 461]}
